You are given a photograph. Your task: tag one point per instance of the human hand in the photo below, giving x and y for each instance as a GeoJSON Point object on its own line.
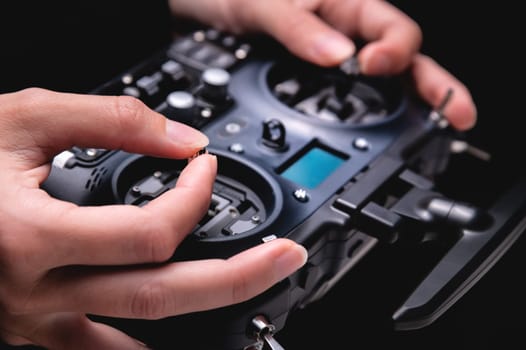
{"type": "Point", "coordinates": [59, 261]}
{"type": "Point", "coordinates": [322, 31]}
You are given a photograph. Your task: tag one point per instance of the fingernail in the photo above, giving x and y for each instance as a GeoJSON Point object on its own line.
{"type": "Point", "coordinates": [185, 135]}
{"type": "Point", "coordinates": [334, 46]}
{"type": "Point", "coordinates": [290, 261]}
{"type": "Point", "coordinates": [465, 117]}
{"type": "Point", "coordinates": [377, 64]}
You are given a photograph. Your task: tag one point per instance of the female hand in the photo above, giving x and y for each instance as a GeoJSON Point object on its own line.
{"type": "Point", "coordinates": [59, 261]}
{"type": "Point", "coordinates": [322, 31]}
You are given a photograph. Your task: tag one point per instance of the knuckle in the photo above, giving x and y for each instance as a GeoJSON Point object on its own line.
{"type": "Point", "coordinates": [128, 111]}
{"type": "Point", "coordinates": [150, 301]}
{"type": "Point", "coordinates": [30, 99]}
{"type": "Point", "coordinates": [156, 244]}
{"type": "Point", "coordinates": [32, 92]}
{"type": "Point", "coordinates": [240, 286]}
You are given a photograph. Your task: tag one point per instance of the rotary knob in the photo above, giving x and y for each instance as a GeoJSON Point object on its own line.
{"type": "Point", "coordinates": [181, 106]}
{"type": "Point", "coordinates": [215, 85]}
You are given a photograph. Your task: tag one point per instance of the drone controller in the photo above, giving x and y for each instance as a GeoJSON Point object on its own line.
{"type": "Point", "coordinates": [332, 159]}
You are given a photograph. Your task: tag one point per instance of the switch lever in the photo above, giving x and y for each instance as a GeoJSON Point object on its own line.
{"type": "Point", "coordinates": [274, 135]}
{"type": "Point", "coordinates": [264, 333]}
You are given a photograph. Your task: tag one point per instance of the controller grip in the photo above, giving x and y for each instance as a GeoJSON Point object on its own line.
{"type": "Point", "coordinates": [466, 262]}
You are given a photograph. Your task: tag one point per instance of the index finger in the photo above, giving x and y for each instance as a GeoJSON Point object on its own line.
{"type": "Point", "coordinates": [57, 121]}
{"type": "Point", "coordinates": [391, 37]}
{"type": "Point", "coordinates": [323, 32]}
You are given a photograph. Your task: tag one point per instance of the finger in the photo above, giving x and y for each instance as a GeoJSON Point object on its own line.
{"type": "Point", "coordinates": [299, 29]}
{"type": "Point", "coordinates": [321, 35]}
{"type": "Point", "coordinates": [432, 83]}
{"type": "Point", "coordinates": [171, 289]}
{"type": "Point", "coordinates": [57, 121]}
{"type": "Point", "coordinates": [391, 37]}
{"type": "Point", "coordinates": [293, 24]}
{"type": "Point", "coordinates": [120, 234]}
{"type": "Point", "coordinates": [68, 331]}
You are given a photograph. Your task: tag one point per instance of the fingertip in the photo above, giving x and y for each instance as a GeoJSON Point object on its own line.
{"type": "Point", "coordinates": [209, 161]}
{"type": "Point", "coordinates": [290, 257]}
{"type": "Point", "coordinates": [304, 33]}
{"type": "Point", "coordinates": [375, 64]}
{"type": "Point", "coordinates": [463, 114]}
{"type": "Point", "coordinates": [433, 82]}
{"type": "Point", "coordinates": [377, 59]}
{"type": "Point", "coordinates": [331, 48]}
{"type": "Point", "coordinates": [200, 171]}
{"type": "Point", "coordinates": [185, 136]}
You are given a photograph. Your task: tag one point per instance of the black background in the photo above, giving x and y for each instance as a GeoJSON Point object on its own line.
{"type": "Point", "coordinates": [75, 46]}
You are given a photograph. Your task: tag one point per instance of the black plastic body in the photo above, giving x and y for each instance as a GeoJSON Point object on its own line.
{"type": "Point", "coordinates": [373, 196]}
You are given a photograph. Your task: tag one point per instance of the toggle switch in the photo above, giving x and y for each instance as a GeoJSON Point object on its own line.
{"type": "Point", "coordinates": [274, 135]}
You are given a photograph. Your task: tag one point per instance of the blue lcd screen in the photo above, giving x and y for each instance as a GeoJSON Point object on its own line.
{"type": "Point", "coordinates": [313, 167]}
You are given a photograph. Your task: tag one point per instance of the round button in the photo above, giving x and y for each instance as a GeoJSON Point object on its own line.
{"type": "Point", "coordinates": [132, 91]}
{"type": "Point", "coordinates": [215, 84]}
{"type": "Point", "coordinates": [361, 144]}
{"type": "Point", "coordinates": [232, 128]}
{"type": "Point", "coordinates": [181, 106]}
{"type": "Point", "coordinates": [216, 77]}
{"type": "Point", "coordinates": [180, 100]}
{"type": "Point", "coordinates": [237, 148]}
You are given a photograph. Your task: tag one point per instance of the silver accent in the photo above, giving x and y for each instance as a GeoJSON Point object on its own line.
{"type": "Point", "coordinates": [351, 66]}
{"type": "Point", "coordinates": [62, 158]}
{"type": "Point", "coordinates": [171, 67]}
{"type": "Point", "coordinates": [269, 238]}
{"type": "Point", "coordinates": [460, 146]}
{"type": "Point", "coordinates": [132, 91]}
{"type": "Point", "coordinates": [361, 144]}
{"type": "Point", "coordinates": [180, 100]}
{"type": "Point", "coordinates": [241, 54]}
{"type": "Point", "coordinates": [216, 77]}
{"type": "Point", "coordinates": [437, 114]}
{"type": "Point", "coordinates": [264, 331]}
{"type": "Point", "coordinates": [127, 79]}
{"type": "Point", "coordinates": [199, 36]}
{"type": "Point", "coordinates": [232, 128]}
{"type": "Point", "coordinates": [243, 51]}
{"type": "Point", "coordinates": [237, 148]}
{"type": "Point", "coordinates": [91, 152]}
{"type": "Point", "coordinates": [206, 113]}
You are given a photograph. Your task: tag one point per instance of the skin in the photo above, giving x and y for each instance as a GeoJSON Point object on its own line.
{"type": "Point", "coordinates": [322, 31]}
{"type": "Point", "coordinates": [45, 294]}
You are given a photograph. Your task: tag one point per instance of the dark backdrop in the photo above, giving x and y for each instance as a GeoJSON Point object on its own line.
{"type": "Point", "coordinates": [480, 43]}
{"type": "Point", "coordinates": [75, 46]}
